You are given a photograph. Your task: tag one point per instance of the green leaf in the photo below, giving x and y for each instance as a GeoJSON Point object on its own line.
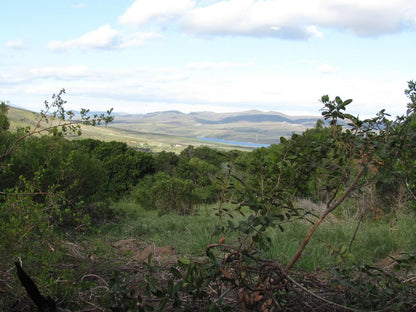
{"type": "Point", "coordinates": [325, 98]}
{"type": "Point", "coordinates": [162, 305]}
{"type": "Point", "coordinates": [338, 100]}
{"type": "Point", "coordinates": [347, 102]}
{"type": "Point", "coordinates": [170, 288]}
{"type": "Point", "coordinates": [184, 261]}
{"type": "Point", "coordinates": [147, 307]}
{"type": "Point", "coordinates": [175, 272]}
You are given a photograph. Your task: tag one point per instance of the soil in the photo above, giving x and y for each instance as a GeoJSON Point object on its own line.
{"type": "Point", "coordinates": [268, 289]}
{"type": "Point", "coordinates": [141, 252]}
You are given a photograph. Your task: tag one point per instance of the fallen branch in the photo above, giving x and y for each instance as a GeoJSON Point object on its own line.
{"type": "Point", "coordinates": [43, 304]}
{"type": "Point", "coordinates": [331, 303]}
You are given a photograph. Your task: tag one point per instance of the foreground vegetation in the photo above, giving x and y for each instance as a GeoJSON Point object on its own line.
{"type": "Point", "coordinates": [324, 220]}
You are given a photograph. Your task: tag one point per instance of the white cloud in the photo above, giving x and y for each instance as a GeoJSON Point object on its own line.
{"type": "Point", "coordinates": [69, 72]}
{"type": "Point", "coordinates": [314, 32]}
{"type": "Point", "coordinates": [327, 69]}
{"type": "Point", "coordinates": [126, 77]}
{"type": "Point", "coordinates": [212, 86]}
{"type": "Point", "coordinates": [368, 18]}
{"type": "Point", "coordinates": [15, 44]}
{"type": "Point", "coordinates": [217, 65]}
{"type": "Point", "coordinates": [301, 18]}
{"type": "Point", "coordinates": [252, 18]}
{"type": "Point", "coordinates": [296, 19]}
{"type": "Point", "coordinates": [102, 38]}
{"type": "Point", "coordinates": [142, 11]}
{"type": "Point", "coordinates": [137, 39]}
{"type": "Point", "coordinates": [11, 79]}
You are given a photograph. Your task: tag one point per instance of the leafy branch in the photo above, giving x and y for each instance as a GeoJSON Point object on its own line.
{"type": "Point", "coordinates": [360, 141]}
{"type": "Point", "coordinates": [58, 121]}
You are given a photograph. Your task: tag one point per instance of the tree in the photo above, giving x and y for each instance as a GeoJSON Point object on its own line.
{"type": "Point", "coordinates": [397, 176]}
{"type": "Point", "coordinates": [35, 183]}
{"type": "Point", "coordinates": [58, 121]}
{"type": "Point", "coordinates": [166, 162]}
{"type": "Point", "coordinates": [167, 194]}
{"type": "Point", "coordinates": [355, 150]}
{"type": "Point", "coordinates": [123, 165]}
{"type": "Point", "coordinates": [4, 121]}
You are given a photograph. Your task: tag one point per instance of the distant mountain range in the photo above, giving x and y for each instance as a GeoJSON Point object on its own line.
{"type": "Point", "coordinates": [250, 126]}
{"type": "Point", "coordinates": [173, 130]}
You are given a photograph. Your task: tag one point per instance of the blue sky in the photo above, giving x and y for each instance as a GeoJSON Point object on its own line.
{"type": "Point", "coordinates": [208, 55]}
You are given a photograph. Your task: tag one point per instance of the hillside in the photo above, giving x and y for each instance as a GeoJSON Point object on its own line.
{"type": "Point", "coordinates": [250, 126]}
{"type": "Point", "coordinates": [323, 221]}
{"type": "Point", "coordinates": [173, 130]}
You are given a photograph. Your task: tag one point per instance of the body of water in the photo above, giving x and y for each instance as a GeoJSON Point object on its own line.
{"type": "Point", "coordinates": [237, 143]}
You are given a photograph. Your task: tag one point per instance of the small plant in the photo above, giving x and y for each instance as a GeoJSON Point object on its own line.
{"type": "Point", "coordinates": [122, 296]}
{"type": "Point", "coordinates": [369, 287]}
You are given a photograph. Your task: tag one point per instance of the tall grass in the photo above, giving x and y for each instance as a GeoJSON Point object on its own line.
{"type": "Point", "coordinates": [188, 234]}
{"type": "Point", "coordinates": [374, 240]}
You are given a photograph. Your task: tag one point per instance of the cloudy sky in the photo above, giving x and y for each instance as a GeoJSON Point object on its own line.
{"type": "Point", "coordinates": [208, 55]}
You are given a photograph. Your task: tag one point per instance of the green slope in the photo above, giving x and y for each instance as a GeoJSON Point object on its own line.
{"type": "Point", "coordinates": [173, 131]}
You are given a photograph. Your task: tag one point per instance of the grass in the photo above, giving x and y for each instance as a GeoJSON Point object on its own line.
{"type": "Point", "coordinates": [56, 267]}
{"type": "Point", "coordinates": [190, 235]}
{"type": "Point", "coordinates": [374, 241]}
{"type": "Point", "coordinates": [20, 118]}
{"type": "Point", "coordinates": [70, 275]}
{"type": "Point", "coordinates": [147, 137]}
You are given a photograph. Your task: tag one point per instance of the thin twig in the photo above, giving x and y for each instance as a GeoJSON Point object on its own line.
{"type": "Point", "coordinates": [96, 307]}
{"type": "Point", "coordinates": [410, 191]}
{"type": "Point", "coordinates": [223, 295]}
{"type": "Point", "coordinates": [355, 232]}
{"type": "Point", "coordinates": [316, 296]}
{"type": "Point", "coordinates": [96, 276]}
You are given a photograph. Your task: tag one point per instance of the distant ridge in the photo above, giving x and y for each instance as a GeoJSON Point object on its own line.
{"type": "Point", "coordinates": [171, 112]}
{"type": "Point", "coordinates": [208, 117]}
{"type": "Point", "coordinates": [251, 126]}
{"type": "Point", "coordinates": [172, 130]}
{"type": "Point", "coordinates": [258, 118]}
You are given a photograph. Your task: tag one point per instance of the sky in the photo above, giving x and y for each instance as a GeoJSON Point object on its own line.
{"type": "Point", "coordinates": [208, 55]}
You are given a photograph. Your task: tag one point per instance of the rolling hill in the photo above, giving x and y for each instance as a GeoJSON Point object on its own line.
{"type": "Point", "coordinates": [250, 126]}
{"type": "Point", "coordinates": [174, 130]}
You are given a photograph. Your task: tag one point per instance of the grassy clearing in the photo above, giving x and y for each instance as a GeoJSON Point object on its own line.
{"type": "Point", "coordinates": [76, 269]}
{"type": "Point", "coordinates": [374, 240]}
{"type": "Point", "coordinates": [190, 235]}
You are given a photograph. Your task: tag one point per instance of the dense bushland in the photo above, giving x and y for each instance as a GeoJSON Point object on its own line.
{"type": "Point", "coordinates": [359, 171]}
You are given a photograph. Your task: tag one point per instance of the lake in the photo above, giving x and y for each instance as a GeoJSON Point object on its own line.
{"type": "Point", "coordinates": [237, 143]}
